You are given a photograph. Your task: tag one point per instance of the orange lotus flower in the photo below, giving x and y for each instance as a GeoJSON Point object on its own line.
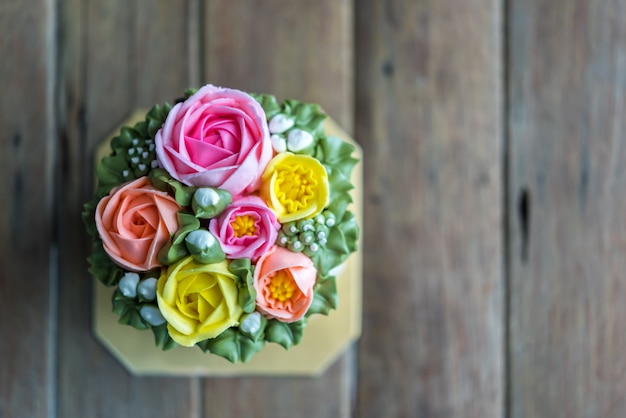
{"type": "Point", "coordinates": [284, 283]}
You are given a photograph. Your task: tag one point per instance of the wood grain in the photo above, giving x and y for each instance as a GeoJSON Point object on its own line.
{"type": "Point", "coordinates": [567, 98]}
{"type": "Point", "coordinates": [294, 51]}
{"type": "Point", "coordinates": [27, 341]}
{"type": "Point", "coordinates": [289, 49]}
{"type": "Point", "coordinates": [115, 56]}
{"type": "Point", "coordinates": [428, 115]}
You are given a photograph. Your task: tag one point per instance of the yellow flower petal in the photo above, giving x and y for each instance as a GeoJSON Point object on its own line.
{"type": "Point", "coordinates": [198, 301]}
{"type": "Point", "coordinates": [295, 186]}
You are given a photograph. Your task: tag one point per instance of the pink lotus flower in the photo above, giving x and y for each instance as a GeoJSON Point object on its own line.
{"type": "Point", "coordinates": [134, 222]}
{"type": "Point", "coordinates": [217, 137]}
{"type": "Point", "coordinates": [284, 283]}
{"type": "Point", "coordinates": [247, 228]}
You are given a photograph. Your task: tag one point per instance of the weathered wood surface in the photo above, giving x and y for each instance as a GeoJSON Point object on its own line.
{"type": "Point", "coordinates": [429, 118]}
{"type": "Point", "coordinates": [566, 203]}
{"type": "Point", "coordinates": [26, 213]}
{"type": "Point", "coordinates": [494, 235]}
{"type": "Point", "coordinates": [115, 56]}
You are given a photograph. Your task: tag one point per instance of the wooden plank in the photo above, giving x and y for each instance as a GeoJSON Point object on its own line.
{"type": "Point", "coordinates": [115, 56]}
{"type": "Point", "coordinates": [428, 115]}
{"type": "Point", "coordinates": [292, 50]}
{"type": "Point", "coordinates": [26, 231]}
{"type": "Point", "coordinates": [289, 49]}
{"type": "Point", "coordinates": [567, 130]}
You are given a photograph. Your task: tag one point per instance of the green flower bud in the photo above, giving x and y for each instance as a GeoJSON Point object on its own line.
{"type": "Point", "coordinates": [208, 202]}
{"type": "Point", "coordinates": [305, 225]}
{"type": "Point", "coordinates": [306, 237]}
{"type": "Point", "coordinates": [312, 249]}
{"type": "Point", "coordinates": [296, 246]}
{"type": "Point", "coordinates": [282, 239]}
{"type": "Point", "coordinates": [204, 247]}
{"type": "Point", "coordinates": [290, 229]}
{"type": "Point", "coordinates": [330, 219]}
{"type": "Point", "coordinates": [321, 231]}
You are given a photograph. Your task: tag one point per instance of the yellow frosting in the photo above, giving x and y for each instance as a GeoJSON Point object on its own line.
{"type": "Point", "coordinates": [198, 301]}
{"type": "Point", "coordinates": [295, 187]}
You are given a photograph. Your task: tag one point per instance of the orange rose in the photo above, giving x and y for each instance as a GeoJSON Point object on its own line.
{"type": "Point", "coordinates": [134, 221]}
{"type": "Point", "coordinates": [284, 283]}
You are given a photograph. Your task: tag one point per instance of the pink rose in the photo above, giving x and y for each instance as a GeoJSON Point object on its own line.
{"type": "Point", "coordinates": [218, 137]}
{"type": "Point", "coordinates": [247, 228]}
{"type": "Point", "coordinates": [284, 283]}
{"type": "Point", "coordinates": [134, 222]}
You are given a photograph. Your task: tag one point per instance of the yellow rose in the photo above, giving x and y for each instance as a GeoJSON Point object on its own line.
{"type": "Point", "coordinates": [198, 301]}
{"type": "Point", "coordinates": [295, 186]}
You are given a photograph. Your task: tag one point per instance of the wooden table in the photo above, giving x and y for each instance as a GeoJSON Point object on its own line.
{"type": "Point", "coordinates": [495, 169]}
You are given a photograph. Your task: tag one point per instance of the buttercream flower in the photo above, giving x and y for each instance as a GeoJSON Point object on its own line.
{"type": "Point", "coordinates": [284, 283]}
{"type": "Point", "coordinates": [217, 137]}
{"type": "Point", "coordinates": [134, 221]}
{"type": "Point", "coordinates": [247, 228]}
{"type": "Point", "coordinates": [295, 186]}
{"type": "Point", "coordinates": [198, 301]}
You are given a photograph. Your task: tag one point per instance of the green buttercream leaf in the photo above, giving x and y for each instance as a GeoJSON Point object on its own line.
{"type": "Point", "coordinates": [243, 269]}
{"type": "Point", "coordinates": [190, 92]}
{"type": "Point", "coordinates": [286, 334]}
{"type": "Point", "coordinates": [162, 181]}
{"type": "Point", "coordinates": [339, 205]}
{"type": "Point", "coordinates": [337, 241]}
{"type": "Point", "coordinates": [110, 173]}
{"type": "Point", "coordinates": [89, 217]}
{"type": "Point", "coordinates": [324, 297]}
{"type": "Point", "coordinates": [333, 150]}
{"type": "Point", "coordinates": [124, 140]}
{"type": "Point", "coordinates": [156, 117]}
{"type": "Point", "coordinates": [142, 129]}
{"type": "Point", "coordinates": [268, 103]}
{"type": "Point", "coordinates": [162, 338]}
{"type": "Point", "coordinates": [340, 187]}
{"type": "Point", "coordinates": [232, 345]}
{"type": "Point", "coordinates": [342, 241]}
{"type": "Point", "coordinates": [132, 151]}
{"type": "Point", "coordinates": [101, 266]}
{"type": "Point", "coordinates": [128, 310]}
{"type": "Point", "coordinates": [176, 249]}
{"type": "Point", "coordinates": [307, 116]}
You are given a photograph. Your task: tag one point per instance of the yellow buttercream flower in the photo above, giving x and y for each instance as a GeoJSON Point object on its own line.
{"type": "Point", "coordinates": [295, 187]}
{"type": "Point", "coordinates": [198, 301]}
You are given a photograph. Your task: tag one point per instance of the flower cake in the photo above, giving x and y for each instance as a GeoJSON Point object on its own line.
{"type": "Point", "coordinates": [219, 222]}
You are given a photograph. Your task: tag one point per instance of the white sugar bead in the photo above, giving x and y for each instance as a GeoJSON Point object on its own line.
{"type": "Point", "coordinates": [278, 143]}
{"type": "Point", "coordinates": [151, 315]}
{"type": "Point", "coordinates": [297, 140]}
{"type": "Point", "coordinates": [200, 239]}
{"type": "Point", "coordinates": [206, 197]}
{"type": "Point", "coordinates": [251, 323]}
{"type": "Point", "coordinates": [280, 123]}
{"type": "Point", "coordinates": [147, 288]}
{"type": "Point", "coordinates": [128, 284]}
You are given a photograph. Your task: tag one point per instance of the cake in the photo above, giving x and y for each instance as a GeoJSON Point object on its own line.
{"type": "Point", "coordinates": [220, 221]}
